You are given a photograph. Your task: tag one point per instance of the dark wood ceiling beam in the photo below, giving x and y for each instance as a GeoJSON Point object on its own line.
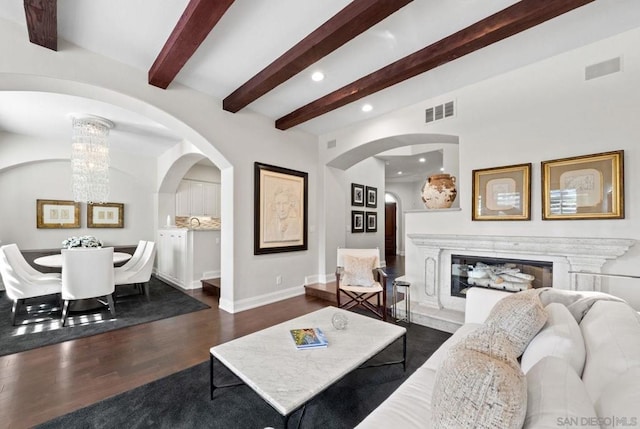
{"type": "Point", "coordinates": [354, 19]}
{"type": "Point", "coordinates": [512, 20]}
{"type": "Point", "coordinates": [42, 22]}
{"type": "Point", "coordinates": [196, 22]}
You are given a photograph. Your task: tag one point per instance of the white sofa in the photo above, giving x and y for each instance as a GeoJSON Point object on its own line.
{"type": "Point", "coordinates": [584, 374]}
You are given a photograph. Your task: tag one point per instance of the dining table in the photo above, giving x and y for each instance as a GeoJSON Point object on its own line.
{"type": "Point", "coordinates": [55, 261]}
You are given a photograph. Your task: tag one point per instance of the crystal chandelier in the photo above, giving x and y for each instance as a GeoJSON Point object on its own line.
{"type": "Point", "coordinates": [90, 159]}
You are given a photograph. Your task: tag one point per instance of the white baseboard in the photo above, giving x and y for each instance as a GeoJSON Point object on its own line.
{"type": "Point", "coordinates": [211, 275]}
{"type": "Point", "coordinates": [320, 278]}
{"type": "Point", "coordinates": [258, 301]}
{"type": "Point", "coordinates": [193, 285]}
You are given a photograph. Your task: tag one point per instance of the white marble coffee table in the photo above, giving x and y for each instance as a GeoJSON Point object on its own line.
{"type": "Point", "coordinates": [269, 363]}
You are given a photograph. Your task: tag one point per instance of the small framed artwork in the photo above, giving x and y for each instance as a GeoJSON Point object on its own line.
{"type": "Point", "coordinates": [584, 187]}
{"type": "Point", "coordinates": [357, 194]}
{"type": "Point", "coordinates": [357, 221]}
{"type": "Point", "coordinates": [280, 209]}
{"type": "Point", "coordinates": [105, 215]}
{"type": "Point", "coordinates": [372, 222]}
{"type": "Point", "coordinates": [502, 193]}
{"type": "Point", "coordinates": [372, 197]}
{"type": "Point", "coordinates": [57, 214]}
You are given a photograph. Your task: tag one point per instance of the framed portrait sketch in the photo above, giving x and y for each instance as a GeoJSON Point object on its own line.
{"type": "Point", "coordinates": [357, 194]}
{"type": "Point", "coordinates": [106, 215]}
{"type": "Point", "coordinates": [57, 214]}
{"type": "Point", "coordinates": [357, 221]}
{"type": "Point", "coordinates": [502, 193]}
{"type": "Point", "coordinates": [372, 197]}
{"type": "Point", "coordinates": [584, 187]}
{"type": "Point", "coordinates": [280, 209]}
{"type": "Point", "coordinates": [372, 222]}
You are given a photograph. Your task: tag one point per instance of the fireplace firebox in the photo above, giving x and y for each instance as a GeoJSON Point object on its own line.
{"type": "Point", "coordinates": [498, 273]}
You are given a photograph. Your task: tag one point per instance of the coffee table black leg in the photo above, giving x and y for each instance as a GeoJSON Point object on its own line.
{"type": "Point", "coordinates": [286, 418]}
{"type": "Point", "coordinates": [211, 386]}
{"type": "Point", "coordinates": [404, 353]}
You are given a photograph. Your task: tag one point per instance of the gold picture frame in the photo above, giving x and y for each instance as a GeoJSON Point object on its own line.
{"type": "Point", "coordinates": [280, 209]}
{"type": "Point", "coordinates": [584, 187]}
{"type": "Point", "coordinates": [105, 215]}
{"type": "Point", "coordinates": [57, 214]}
{"type": "Point", "coordinates": [502, 193]}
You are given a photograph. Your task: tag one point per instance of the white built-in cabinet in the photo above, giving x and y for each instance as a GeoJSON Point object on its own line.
{"type": "Point", "coordinates": [186, 256]}
{"type": "Point", "coordinates": [172, 255]}
{"type": "Point", "coordinates": [196, 198]}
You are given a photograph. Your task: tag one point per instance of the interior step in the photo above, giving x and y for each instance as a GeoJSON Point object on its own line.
{"type": "Point", "coordinates": [211, 286]}
{"type": "Point", "coordinates": [326, 291]}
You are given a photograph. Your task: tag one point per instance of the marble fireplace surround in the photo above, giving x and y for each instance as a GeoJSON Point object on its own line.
{"type": "Point", "coordinates": [428, 266]}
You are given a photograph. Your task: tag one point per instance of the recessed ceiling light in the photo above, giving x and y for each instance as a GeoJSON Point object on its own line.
{"type": "Point", "coordinates": [422, 160]}
{"type": "Point", "coordinates": [367, 108]}
{"type": "Point", "coordinates": [441, 168]}
{"type": "Point", "coordinates": [399, 172]}
{"type": "Point", "coordinates": [317, 76]}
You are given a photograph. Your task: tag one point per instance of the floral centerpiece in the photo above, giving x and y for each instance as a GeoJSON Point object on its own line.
{"type": "Point", "coordinates": [84, 241]}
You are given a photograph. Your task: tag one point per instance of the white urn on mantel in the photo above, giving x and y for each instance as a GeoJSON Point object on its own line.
{"type": "Point", "coordinates": [439, 191]}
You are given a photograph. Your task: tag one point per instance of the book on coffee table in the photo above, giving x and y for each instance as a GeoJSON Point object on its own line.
{"type": "Point", "coordinates": [308, 338]}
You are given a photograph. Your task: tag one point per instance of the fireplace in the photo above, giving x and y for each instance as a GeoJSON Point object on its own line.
{"type": "Point", "coordinates": [428, 267]}
{"type": "Point", "coordinates": [511, 275]}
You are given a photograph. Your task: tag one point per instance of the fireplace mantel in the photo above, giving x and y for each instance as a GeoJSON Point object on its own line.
{"type": "Point", "coordinates": [591, 248]}
{"type": "Point", "coordinates": [428, 264]}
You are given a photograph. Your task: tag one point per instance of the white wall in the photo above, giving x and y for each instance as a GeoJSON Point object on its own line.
{"type": "Point", "coordinates": [369, 172]}
{"type": "Point", "coordinates": [204, 173]}
{"type": "Point", "coordinates": [23, 184]}
{"type": "Point", "coordinates": [540, 112]}
{"type": "Point", "coordinates": [231, 141]}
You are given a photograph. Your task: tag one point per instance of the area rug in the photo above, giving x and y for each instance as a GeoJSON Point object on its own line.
{"type": "Point", "coordinates": [182, 400]}
{"type": "Point", "coordinates": [131, 309]}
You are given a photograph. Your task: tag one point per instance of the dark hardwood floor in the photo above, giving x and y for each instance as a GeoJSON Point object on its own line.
{"type": "Point", "coordinates": [40, 384]}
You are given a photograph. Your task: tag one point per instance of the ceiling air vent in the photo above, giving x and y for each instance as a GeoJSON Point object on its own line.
{"type": "Point", "coordinates": [440, 111]}
{"type": "Point", "coordinates": [331, 144]}
{"type": "Point", "coordinates": [604, 68]}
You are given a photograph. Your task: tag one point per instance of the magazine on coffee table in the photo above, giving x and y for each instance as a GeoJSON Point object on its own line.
{"type": "Point", "coordinates": [308, 338]}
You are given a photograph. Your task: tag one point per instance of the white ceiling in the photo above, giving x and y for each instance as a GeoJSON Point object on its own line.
{"type": "Point", "coordinates": [255, 32]}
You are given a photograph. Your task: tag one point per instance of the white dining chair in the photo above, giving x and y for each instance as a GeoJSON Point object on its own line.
{"type": "Point", "coordinates": [140, 274]}
{"type": "Point", "coordinates": [15, 258]}
{"type": "Point", "coordinates": [137, 255]}
{"type": "Point", "coordinates": [21, 283]}
{"type": "Point", "coordinates": [87, 273]}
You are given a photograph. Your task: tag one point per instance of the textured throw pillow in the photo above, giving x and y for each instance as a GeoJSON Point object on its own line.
{"type": "Point", "coordinates": [556, 396]}
{"type": "Point", "coordinates": [560, 337]}
{"type": "Point", "coordinates": [475, 390]}
{"type": "Point", "coordinates": [358, 271]}
{"type": "Point", "coordinates": [489, 340]}
{"type": "Point", "coordinates": [521, 316]}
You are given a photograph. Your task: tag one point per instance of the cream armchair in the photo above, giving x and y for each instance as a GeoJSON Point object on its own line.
{"type": "Point", "coordinates": [22, 281]}
{"type": "Point", "coordinates": [360, 280]}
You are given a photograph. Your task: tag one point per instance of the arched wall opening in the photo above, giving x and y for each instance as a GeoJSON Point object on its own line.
{"type": "Point", "coordinates": [337, 181]}
{"type": "Point", "coordinates": [200, 145]}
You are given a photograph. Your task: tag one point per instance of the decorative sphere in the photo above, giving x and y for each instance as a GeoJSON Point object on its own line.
{"type": "Point", "coordinates": [339, 321]}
